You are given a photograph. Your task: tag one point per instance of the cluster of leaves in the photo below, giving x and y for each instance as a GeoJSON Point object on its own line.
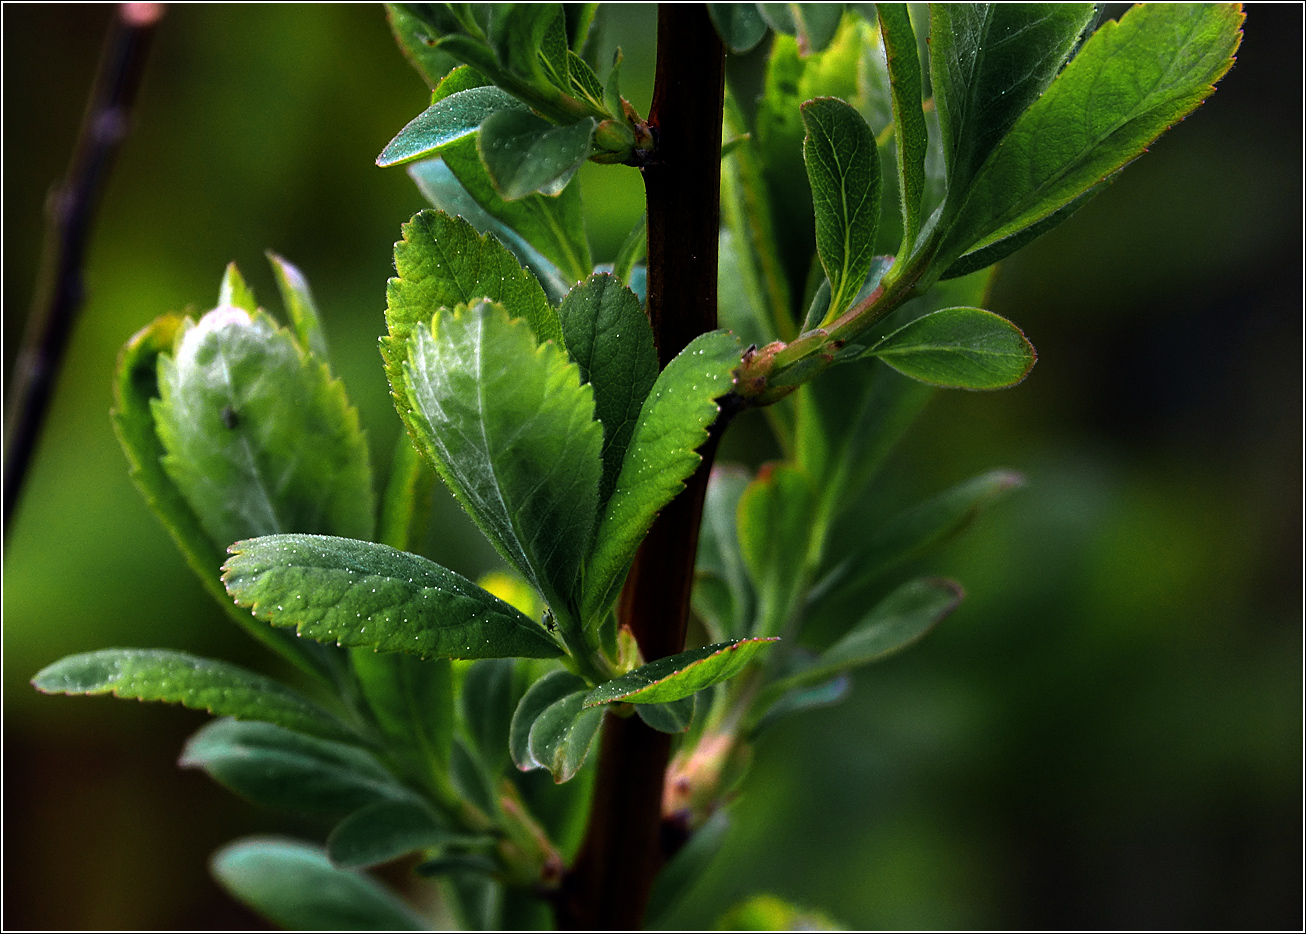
{"type": "Point", "coordinates": [528, 381]}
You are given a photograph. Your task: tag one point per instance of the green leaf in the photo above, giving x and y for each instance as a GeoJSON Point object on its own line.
{"type": "Point", "coordinates": [234, 290]}
{"type": "Point", "coordinates": [136, 382]}
{"type": "Point", "coordinates": [447, 120]}
{"type": "Point", "coordinates": [289, 771]}
{"type": "Point", "coordinates": [524, 153]}
{"type": "Point", "coordinates": [554, 50]}
{"type": "Point", "coordinates": [662, 453]}
{"type": "Point", "coordinates": [794, 700]}
{"type": "Point", "coordinates": [676, 676]}
{"type": "Point", "coordinates": [300, 307]}
{"type": "Point", "coordinates": [633, 249]}
{"type": "Point", "coordinates": [259, 438]}
{"type": "Point", "coordinates": [472, 783]}
{"type": "Point", "coordinates": [609, 338]}
{"type": "Point", "coordinates": [740, 26]}
{"type": "Point", "coordinates": [488, 698]}
{"type": "Point", "coordinates": [684, 870]}
{"type": "Point", "coordinates": [674, 717]}
{"type": "Point", "coordinates": [726, 611]}
{"type": "Point", "coordinates": [295, 886]}
{"type": "Point", "coordinates": [541, 695]}
{"type": "Point", "coordinates": [585, 83]}
{"type": "Point", "coordinates": [562, 734]}
{"type": "Point", "coordinates": [198, 683]}
{"type": "Point", "coordinates": [769, 913]}
{"type": "Point", "coordinates": [409, 495]}
{"type": "Point", "coordinates": [814, 24]}
{"type": "Point", "coordinates": [1131, 81]}
{"type": "Point", "coordinates": [988, 63]}
{"type": "Point", "coordinates": [511, 429]}
{"type": "Point", "coordinates": [908, 118]}
{"type": "Point", "coordinates": [1001, 249]}
{"type": "Point", "coordinates": [417, 37]}
{"type": "Point", "coordinates": [774, 528]}
{"type": "Point", "coordinates": [411, 700]}
{"type": "Point", "coordinates": [962, 348]}
{"type": "Point", "coordinates": [361, 594]}
{"type": "Point", "coordinates": [843, 169]}
{"type": "Point", "coordinates": [384, 831]}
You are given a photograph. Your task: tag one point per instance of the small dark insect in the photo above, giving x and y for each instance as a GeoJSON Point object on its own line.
{"type": "Point", "coordinates": [229, 417]}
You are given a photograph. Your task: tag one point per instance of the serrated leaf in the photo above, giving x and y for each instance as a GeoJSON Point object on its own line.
{"type": "Point", "coordinates": [774, 527]}
{"type": "Point", "coordinates": [561, 736]}
{"type": "Point", "coordinates": [447, 120]}
{"type": "Point", "coordinates": [1131, 81]}
{"type": "Point", "coordinates": [524, 153]}
{"type": "Point", "coordinates": [676, 676]}
{"type": "Point", "coordinates": [363, 594]}
{"type": "Point", "coordinates": [719, 558]}
{"type": "Point", "coordinates": [585, 83]}
{"type": "Point", "coordinates": [136, 382]}
{"type": "Point", "coordinates": [541, 695]}
{"type": "Point", "coordinates": [609, 338]}
{"type": "Point", "coordinates": [300, 307]}
{"type": "Point", "coordinates": [289, 771]}
{"type": "Point", "coordinates": [259, 438]}
{"type": "Point", "coordinates": [908, 118]}
{"type": "Point", "coordinates": [235, 291]}
{"type": "Point", "coordinates": [295, 886]}
{"type": "Point", "coordinates": [411, 700]}
{"type": "Point", "coordinates": [554, 50]}
{"type": "Point", "coordinates": [739, 25]}
{"type": "Point", "coordinates": [384, 831]}
{"type": "Point", "coordinates": [198, 683]}
{"type": "Point", "coordinates": [662, 453]}
{"type": "Point", "coordinates": [511, 429]}
{"type": "Point", "coordinates": [961, 348]}
{"type": "Point", "coordinates": [843, 169]}
{"type": "Point", "coordinates": [988, 63]}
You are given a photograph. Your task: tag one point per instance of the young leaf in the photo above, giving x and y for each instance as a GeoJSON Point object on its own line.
{"type": "Point", "coordinates": [235, 292]}
{"type": "Point", "coordinates": [524, 153]}
{"type": "Point", "coordinates": [662, 453]}
{"type": "Point", "coordinates": [774, 523]}
{"type": "Point", "coordinates": [843, 169]}
{"type": "Point", "coordinates": [289, 771]}
{"type": "Point", "coordinates": [361, 594]}
{"type": "Point", "coordinates": [610, 339]}
{"type": "Point", "coordinates": [961, 348]}
{"type": "Point", "coordinates": [740, 26]}
{"type": "Point", "coordinates": [300, 307]}
{"type": "Point", "coordinates": [259, 438]}
{"type": "Point", "coordinates": [198, 683]}
{"type": "Point", "coordinates": [899, 620]}
{"type": "Point", "coordinates": [988, 63]}
{"type": "Point", "coordinates": [384, 831]}
{"type": "Point", "coordinates": [1132, 80]}
{"type": "Point", "coordinates": [561, 735]}
{"type": "Point", "coordinates": [136, 382]}
{"type": "Point", "coordinates": [908, 118]}
{"type": "Point", "coordinates": [794, 700]}
{"type": "Point", "coordinates": [295, 886]}
{"type": "Point", "coordinates": [676, 676]}
{"type": "Point", "coordinates": [447, 120]}
{"type": "Point", "coordinates": [511, 429]}
{"type": "Point", "coordinates": [541, 695]}
{"type": "Point", "coordinates": [412, 701]}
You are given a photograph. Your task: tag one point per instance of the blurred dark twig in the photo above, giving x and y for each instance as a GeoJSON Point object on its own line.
{"type": "Point", "coordinates": [70, 213]}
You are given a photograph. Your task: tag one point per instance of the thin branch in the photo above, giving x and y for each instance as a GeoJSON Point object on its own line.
{"type": "Point", "coordinates": [70, 214]}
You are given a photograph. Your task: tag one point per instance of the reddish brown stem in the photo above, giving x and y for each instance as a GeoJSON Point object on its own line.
{"type": "Point", "coordinates": [609, 885]}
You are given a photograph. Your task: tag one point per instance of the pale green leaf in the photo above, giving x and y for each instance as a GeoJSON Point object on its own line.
{"type": "Point", "coordinates": [300, 307]}
{"type": "Point", "coordinates": [908, 118]}
{"type": "Point", "coordinates": [447, 120]}
{"type": "Point", "coordinates": [541, 695]}
{"type": "Point", "coordinates": [963, 348]}
{"type": "Point", "coordinates": [235, 291]}
{"type": "Point", "coordinates": [561, 736]}
{"type": "Point", "coordinates": [362, 594]}
{"type": "Point", "coordinates": [676, 676]}
{"type": "Point", "coordinates": [385, 831]}
{"type": "Point", "coordinates": [524, 153]}
{"type": "Point", "coordinates": [740, 26]}
{"type": "Point", "coordinates": [774, 527]}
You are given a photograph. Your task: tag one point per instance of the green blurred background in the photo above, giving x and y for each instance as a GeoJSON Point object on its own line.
{"type": "Point", "coordinates": [1108, 733]}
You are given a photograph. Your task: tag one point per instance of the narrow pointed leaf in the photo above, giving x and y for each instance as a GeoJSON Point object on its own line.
{"type": "Point", "coordinates": [774, 521]}
{"type": "Point", "coordinates": [988, 63]}
{"type": "Point", "coordinates": [788, 700]}
{"type": "Point", "coordinates": [541, 695]}
{"type": "Point", "coordinates": [908, 118]}
{"type": "Point", "coordinates": [740, 26]}
{"type": "Point", "coordinates": [295, 886]}
{"type": "Point", "coordinates": [235, 291]}
{"type": "Point", "coordinates": [362, 594]}
{"type": "Point", "coordinates": [633, 249]}
{"type": "Point", "coordinates": [447, 120]}
{"type": "Point", "coordinates": [511, 429]}
{"type": "Point", "coordinates": [562, 734]}
{"type": "Point", "coordinates": [198, 683]}
{"type": "Point", "coordinates": [524, 153]}
{"type": "Point", "coordinates": [609, 338]}
{"type": "Point", "coordinates": [289, 771]}
{"type": "Point", "coordinates": [1133, 80]}
{"type": "Point", "coordinates": [662, 453]}
{"type": "Point", "coordinates": [300, 307]}
{"type": "Point", "coordinates": [384, 831]}
{"type": "Point", "coordinates": [670, 679]}
{"type": "Point", "coordinates": [843, 169]}
{"type": "Point", "coordinates": [259, 438]}
{"type": "Point", "coordinates": [961, 348]}
{"type": "Point", "coordinates": [684, 870]}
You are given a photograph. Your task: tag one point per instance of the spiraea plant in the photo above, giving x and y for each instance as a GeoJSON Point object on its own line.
{"type": "Point", "coordinates": [560, 742]}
